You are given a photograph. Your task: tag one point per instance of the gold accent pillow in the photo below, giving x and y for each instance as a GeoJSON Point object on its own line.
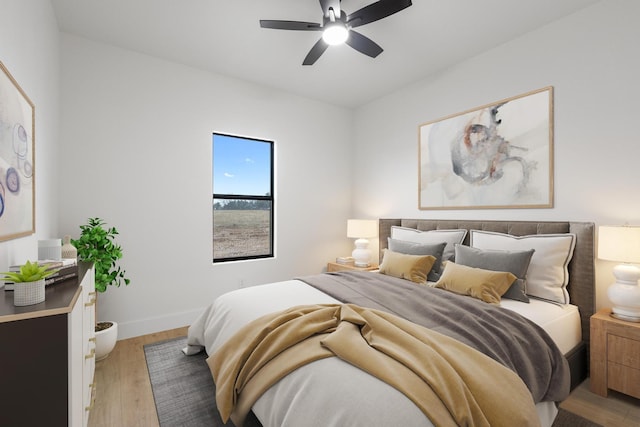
{"type": "Point", "coordinates": [485, 285]}
{"type": "Point", "coordinates": [409, 267]}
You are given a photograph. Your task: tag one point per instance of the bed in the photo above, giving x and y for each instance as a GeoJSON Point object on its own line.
{"type": "Point", "coordinates": [330, 391]}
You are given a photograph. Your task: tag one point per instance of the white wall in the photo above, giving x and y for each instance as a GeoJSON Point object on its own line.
{"type": "Point", "coordinates": [29, 49]}
{"type": "Point", "coordinates": [136, 151]}
{"type": "Point", "coordinates": [590, 58]}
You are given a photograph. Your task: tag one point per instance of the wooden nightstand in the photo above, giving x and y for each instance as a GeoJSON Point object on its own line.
{"type": "Point", "coordinates": [334, 266]}
{"type": "Point", "coordinates": [615, 355]}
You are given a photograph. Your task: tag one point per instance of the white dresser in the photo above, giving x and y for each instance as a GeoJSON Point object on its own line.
{"type": "Point", "coordinates": [47, 357]}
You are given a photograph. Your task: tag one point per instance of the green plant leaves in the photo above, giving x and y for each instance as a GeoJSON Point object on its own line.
{"type": "Point", "coordinates": [30, 272]}
{"type": "Point", "coordinates": [97, 245]}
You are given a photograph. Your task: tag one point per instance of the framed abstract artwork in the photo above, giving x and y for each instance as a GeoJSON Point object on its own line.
{"type": "Point", "coordinates": [496, 156]}
{"type": "Point", "coordinates": [17, 159]}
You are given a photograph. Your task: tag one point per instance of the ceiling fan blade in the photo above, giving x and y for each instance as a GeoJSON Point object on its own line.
{"type": "Point", "coordinates": [330, 4]}
{"type": "Point", "coordinates": [363, 44]}
{"type": "Point", "coordinates": [290, 25]}
{"type": "Point", "coordinates": [315, 52]}
{"type": "Point", "coordinates": [376, 11]}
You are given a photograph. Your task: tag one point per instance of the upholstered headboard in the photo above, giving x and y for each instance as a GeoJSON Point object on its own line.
{"type": "Point", "coordinates": [581, 285]}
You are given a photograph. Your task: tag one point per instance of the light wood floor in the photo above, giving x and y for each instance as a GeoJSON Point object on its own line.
{"type": "Point", "coordinates": [123, 390]}
{"type": "Point", "coordinates": [124, 397]}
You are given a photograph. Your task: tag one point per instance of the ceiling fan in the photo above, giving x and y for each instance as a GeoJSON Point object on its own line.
{"type": "Point", "coordinates": [337, 26]}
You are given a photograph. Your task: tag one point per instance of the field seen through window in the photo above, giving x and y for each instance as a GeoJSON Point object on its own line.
{"type": "Point", "coordinates": [241, 233]}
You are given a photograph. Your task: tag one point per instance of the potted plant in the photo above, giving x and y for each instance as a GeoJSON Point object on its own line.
{"type": "Point", "coordinates": [29, 283]}
{"type": "Point", "coordinates": [97, 245]}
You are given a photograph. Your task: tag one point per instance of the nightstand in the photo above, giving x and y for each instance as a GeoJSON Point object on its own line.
{"type": "Point", "coordinates": [615, 355]}
{"type": "Point", "coordinates": [334, 266]}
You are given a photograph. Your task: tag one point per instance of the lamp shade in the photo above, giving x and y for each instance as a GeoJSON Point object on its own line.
{"type": "Point", "coordinates": [362, 228]}
{"type": "Point", "coordinates": [619, 243]}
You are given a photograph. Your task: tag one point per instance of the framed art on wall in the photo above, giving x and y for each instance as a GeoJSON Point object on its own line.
{"type": "Point", "coordinates": [499, 155]}
{"type": "Point", "coordinates": [17, 159]}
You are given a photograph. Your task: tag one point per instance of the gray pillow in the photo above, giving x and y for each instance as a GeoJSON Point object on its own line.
{"type": "Point", "coordinates": [431, 237]}
{"type": "Point", "coordinates": [411, 248]}
{"type": "Point", "coordinates": [516, 263]}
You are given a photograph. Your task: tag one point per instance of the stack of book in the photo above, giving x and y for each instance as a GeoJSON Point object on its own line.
{"type": "Point", "coordinates": [345, 260]}
{"type": "Point", "coordinates": [67, 269]}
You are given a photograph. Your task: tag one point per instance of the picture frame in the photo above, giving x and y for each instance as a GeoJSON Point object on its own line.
{"type": "Point", "coordinates": [497, 156]}
{"type": "Point", "coordinates": [17, 159]}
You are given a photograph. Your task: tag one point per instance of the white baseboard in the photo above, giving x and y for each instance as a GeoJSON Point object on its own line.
{"type": "Point", "coordinates": [156, 324]}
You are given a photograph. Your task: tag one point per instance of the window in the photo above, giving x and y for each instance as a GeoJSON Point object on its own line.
{"type": "Point", "coordinates": [242, 198]}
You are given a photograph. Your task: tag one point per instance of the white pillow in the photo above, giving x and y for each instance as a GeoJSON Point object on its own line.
{"type": "Point", "coordinates": [548, 272]}
{"type": "Point", "coordinates": [450, 237]}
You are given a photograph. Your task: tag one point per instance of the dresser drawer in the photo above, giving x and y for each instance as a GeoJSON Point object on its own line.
{"type": "Point", "coordinates": [623, 351]}
{"type": "Point", "coordinates": [624, 379]}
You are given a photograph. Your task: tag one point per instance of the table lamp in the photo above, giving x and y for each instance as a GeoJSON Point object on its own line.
{"type": "Point", "coordinates": [361, 230]}
{"type": "Point", "coordinates": [622, 243]}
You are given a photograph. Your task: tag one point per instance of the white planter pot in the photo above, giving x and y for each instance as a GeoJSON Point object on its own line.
{"type": "Point", "coordinates": [106, 341]}
{"type": "Point", "coordinates": [28, 293]}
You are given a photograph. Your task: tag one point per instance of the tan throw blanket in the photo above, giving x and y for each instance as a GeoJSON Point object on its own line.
{"type": "Point", "coordinates": [453, 384]}
{"type": "Point", "coordinates": [503, 335]}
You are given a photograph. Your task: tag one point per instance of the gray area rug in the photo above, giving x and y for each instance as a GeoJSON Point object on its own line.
{"type": "Point", "coordinates": [183, 388]}
{"type": "Point", "coordinates": [182, 385]}
{"type": "Point", "coordinates": [184, 391]}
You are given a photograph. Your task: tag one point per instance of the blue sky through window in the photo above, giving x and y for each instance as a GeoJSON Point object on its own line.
{"type": "Point", "coordinates": [241, 166]}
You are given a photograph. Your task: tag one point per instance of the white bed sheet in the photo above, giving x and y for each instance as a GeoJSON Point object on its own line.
{"type": "Point", "coordinates": [231, 311]}
{"type": "Point", "coordinates": [560, 321]}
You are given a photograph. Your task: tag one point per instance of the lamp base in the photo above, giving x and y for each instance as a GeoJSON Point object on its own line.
{"type": "Point", "coordinates": [625, 318]}
{"type": "Point", "coordinates": [624, 294]}
{"type": "Point", "coordinates": [361, 254]}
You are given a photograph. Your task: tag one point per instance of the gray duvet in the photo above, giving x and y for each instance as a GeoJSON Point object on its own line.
{"type": "Point", "coordinates": [503, 335]}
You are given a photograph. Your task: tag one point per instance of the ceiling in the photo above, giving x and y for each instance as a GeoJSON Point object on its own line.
{"type": "Point", "coordinates": [225, 37]}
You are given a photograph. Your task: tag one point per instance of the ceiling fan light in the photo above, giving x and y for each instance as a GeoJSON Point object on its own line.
{"type": "Point", "coordinates": [335, 34]}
